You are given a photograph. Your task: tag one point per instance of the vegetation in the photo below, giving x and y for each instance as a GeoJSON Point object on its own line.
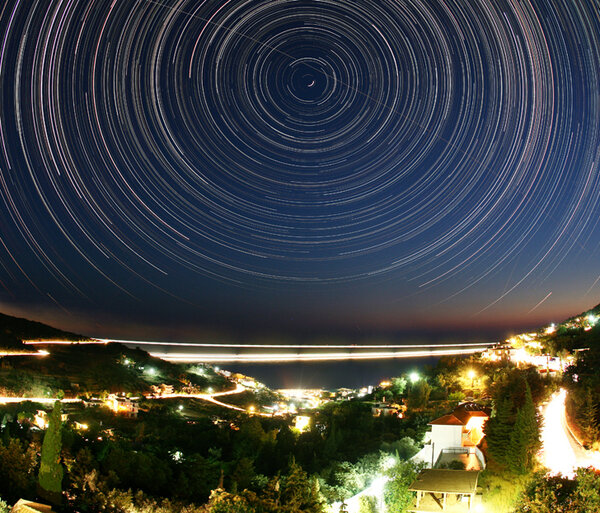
{"type": "Point", "coordinates": [160, 463]}
{"type": "Point", "coordinates": [396, 494]}
{"type": "Point", "coordinates": [557, 494]}
{"type": "Point", "coordinates": [51, 472]}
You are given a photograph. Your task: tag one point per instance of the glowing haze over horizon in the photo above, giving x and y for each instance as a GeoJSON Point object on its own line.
{"type": "Point", "coordinates": [177, 169]}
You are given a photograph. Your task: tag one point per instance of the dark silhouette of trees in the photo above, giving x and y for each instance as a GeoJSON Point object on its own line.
{"type": "Point", "coordinates": [51, 471]}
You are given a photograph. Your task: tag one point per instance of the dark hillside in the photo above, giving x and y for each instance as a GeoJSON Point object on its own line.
{"type": "Point", "coordinates": [15, 329]}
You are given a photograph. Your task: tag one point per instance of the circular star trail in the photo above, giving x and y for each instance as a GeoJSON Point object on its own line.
{"type": "Point", "coordinates": [145, 144]}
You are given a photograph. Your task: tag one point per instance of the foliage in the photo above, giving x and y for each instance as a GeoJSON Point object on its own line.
{"type": "Point", "coordinates": [222, 502]}
{"type": "Point", "coordinates": [398, 386]}
{"type": "Point", "coordinates": [18, 465]}
{"type": "Point", "coordinates": [367, 504]}
{"type": "Point", "coordinates": [418, 395]}
{"type": "Point", "coordinates": [342, 480]}
{"type": "Point", "coordinates": [501, 490]}
{"type": "Point", "coordinates": [404, 449]}
{"type": "Point", "coordinates": [456, 397]}
{"type": "Point", "coordinates": [51, 472]}
{"type": "Point", "coordinates": [512, 437]}
{"type": "Point", "coordinates": [396, 495]}
{"type": "Point", "coordinates": [4, 507]}
{"type": "Point", "coordinates": [557, 494]}
{"type": "Point", "coordinates": [524, 439]}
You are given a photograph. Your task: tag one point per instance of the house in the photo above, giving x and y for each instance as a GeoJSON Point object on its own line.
{"type": "Point", "coordinates": [384, 409]}
{"type": "Point", "coordinates": [455, 436]}
{"type": "Point", "coordinates": [123, 405]}
{"type": "Point", "coordinates": [41, 418]}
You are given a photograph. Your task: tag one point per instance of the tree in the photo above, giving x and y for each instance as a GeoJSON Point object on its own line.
{"type": "Point", "coordinates": [51, 471]}
{"type": "Point", "coordinates": [395, 494]}
{"type": "Point", "coordinates": [525, 437]}
{"type": "Point", "coordinates": [418, 395]}
{"type": "Point", "coordinates": [546, 494]}
{"type": "Point", "coordinates": [498, 430]}
{"type": "Point", "coordinates": [17, 469]}
{"type": "Point", "coordinates": [367, 504]}
{"type": "Point", "coordinates": [398, 386]}
{"type": "Point", "coordinates": [223, 502]}
{"type": "Point", "coordinates": [589, 414]}
{"type": "Point", "coordinates": [299, 493]}
{"type": "Point", "coordinates": [557, 494]}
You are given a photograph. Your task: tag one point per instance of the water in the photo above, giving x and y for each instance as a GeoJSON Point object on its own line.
{"type": "Point", "coordinates": [329, 375]}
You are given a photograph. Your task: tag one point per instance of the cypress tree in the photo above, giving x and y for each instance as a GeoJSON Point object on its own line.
{"type": "Point", "coordinates": [525, 437]}
{"type": "Point", "coordinates": [589, 413]}
{"type": "Point", "coordinates": [498, 430]}
{"type": "Point", "coordinates": [51, 471]}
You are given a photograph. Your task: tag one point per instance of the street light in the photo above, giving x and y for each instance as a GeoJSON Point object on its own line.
{"type": "Point", "coordinates": [414, 377]}
{"type": "Point", "coordinates": [472, 375]}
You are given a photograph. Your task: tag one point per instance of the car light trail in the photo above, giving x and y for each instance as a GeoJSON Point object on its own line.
{"type": "Point", "coordinates": [485, 345]}
{"type": "Point", "coordinates": [211, 398]}
{"type": "Point", "coordinates": [309, 357]}
{"type": "Point", "coordinates": [357, 351]}
{"type": "Point", "coordinates": [42, 400]}
{"type": "Point", "coordinates": [561, 451]}
{"type": "Point", "coordinates": [23, 353]}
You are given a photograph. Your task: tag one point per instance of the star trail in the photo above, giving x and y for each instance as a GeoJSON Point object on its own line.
{"type": "Point", "coordinates": [358, 163]}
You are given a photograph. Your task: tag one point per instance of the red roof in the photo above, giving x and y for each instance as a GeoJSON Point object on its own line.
{"type": "Point", "coordinates": [447, 420]}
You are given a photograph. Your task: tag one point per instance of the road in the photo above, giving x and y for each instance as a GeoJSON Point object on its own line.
{"type": "Point", "coordinates": [561, 451]}
{"type": "Point", "coordinates": [279, 353]}
{"type": "Point", "coordinates": [212, 398]}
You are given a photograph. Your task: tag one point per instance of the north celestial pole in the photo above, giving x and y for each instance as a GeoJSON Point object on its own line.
{"type": "Point", "coordinates": [363, 165]}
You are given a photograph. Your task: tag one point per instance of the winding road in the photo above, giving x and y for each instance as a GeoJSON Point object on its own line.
{"type": "Point", "coordinates": [561, 452]}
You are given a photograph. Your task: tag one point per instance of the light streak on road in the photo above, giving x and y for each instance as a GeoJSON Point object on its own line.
{"type": "Point", "coordinates": [211, 398]}
{"type": "Point", "coordinates": [301, 346]}
{"type": "Point", "coordinates": [309, 357]}
{"type": "Point", "coordinates": [355, 351]}
{"type": "Point", "coordinates": [58, 342]}
{"type": "Point", "coordinates": [42, 400]}
{"type": "Point", "coordinates": [478, 345]}
{"type": "Point", "coordinates": [23, 353]}
{"type": "Point", "coordinates": [561, 452]}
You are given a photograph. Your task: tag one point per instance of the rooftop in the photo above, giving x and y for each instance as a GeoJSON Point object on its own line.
{"type": "Point", "coordinates": [446, 481]}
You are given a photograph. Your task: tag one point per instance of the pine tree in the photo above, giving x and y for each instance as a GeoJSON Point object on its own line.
{"type": "Point", "coordinates": [51, 471]}
{"type": "Point", "coordinates": [589, 415]}
{"type": "Point", "coordinates": [498, 430]}
{"type": "Point", "coordinates": [525, 437]}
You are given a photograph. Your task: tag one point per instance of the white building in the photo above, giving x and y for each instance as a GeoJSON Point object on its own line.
{"type": "Point", "coordinates": [455, 437]}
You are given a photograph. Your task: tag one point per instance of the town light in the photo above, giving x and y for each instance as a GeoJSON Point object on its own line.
{"type": "Point", "coordinates": [414, 377]}
{"type": "Point", "coordinates": [251, 409]}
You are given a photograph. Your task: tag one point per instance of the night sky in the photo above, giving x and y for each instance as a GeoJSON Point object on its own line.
{"type": "Point", "coordinates": [183, 169]}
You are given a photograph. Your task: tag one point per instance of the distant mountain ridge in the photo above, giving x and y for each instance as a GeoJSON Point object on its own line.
{"type": "Point", "coordinates": [15, 329]}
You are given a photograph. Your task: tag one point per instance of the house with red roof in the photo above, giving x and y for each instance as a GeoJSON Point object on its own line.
{"type": "Point", "coordinates": [455, 437]}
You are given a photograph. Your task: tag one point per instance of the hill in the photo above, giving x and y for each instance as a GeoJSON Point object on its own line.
{"type": "Point", "coordinates": [15, 329]}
